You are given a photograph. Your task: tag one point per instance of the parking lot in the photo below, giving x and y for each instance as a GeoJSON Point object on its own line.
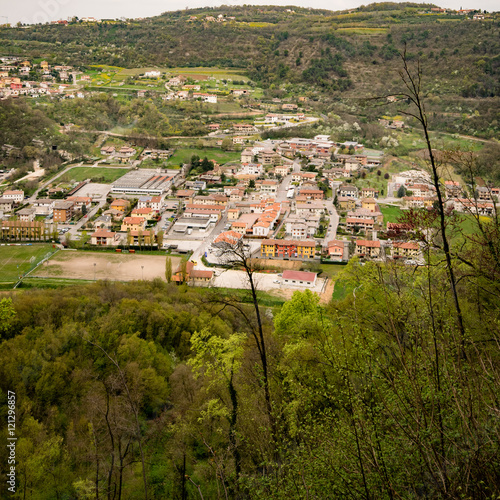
{"type": "Point", "coordinates": [265, 282]}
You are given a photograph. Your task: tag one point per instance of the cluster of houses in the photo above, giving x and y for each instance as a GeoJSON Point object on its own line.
{"type": "Point", "coordinates": [50, 80]}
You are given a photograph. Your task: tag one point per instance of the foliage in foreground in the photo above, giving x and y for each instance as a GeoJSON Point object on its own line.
{"type": "Point", "coordinates": [377, 396]}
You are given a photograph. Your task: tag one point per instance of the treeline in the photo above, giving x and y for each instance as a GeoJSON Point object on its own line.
{"type": "Point", "coordinates": [389, 392]}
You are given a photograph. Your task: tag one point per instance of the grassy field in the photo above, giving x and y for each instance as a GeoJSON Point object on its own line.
{"type": "Point", "coordinates": [341, 290]}
{"type": "Point", "coordinates": [414, 140]}
{"type": "Point", "coordinates": [184, 155]}
{"type": "Point", "coordinates": [391, 214]}
{"type": "Point", "coordinates": [363, 31]}
{"type": "Point", "coordinates": [106, 175]}
{"type": "Point", "coordinates": [331, 270]}
{"type": "Point", "coordinates": [16, 260]}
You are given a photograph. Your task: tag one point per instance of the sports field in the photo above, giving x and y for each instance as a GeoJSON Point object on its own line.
{"type": "Point", "coordinates": [16, 260]}
{"type": "Point", "coordinates": [103, 174]}
{"type": "Point", "coordinates": [105, 266]}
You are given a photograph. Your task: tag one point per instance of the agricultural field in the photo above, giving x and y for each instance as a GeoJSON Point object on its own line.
{"type": "Point", "coordinates": [107, 73]}
{"type": "Point", "coordinates": [16, 260]}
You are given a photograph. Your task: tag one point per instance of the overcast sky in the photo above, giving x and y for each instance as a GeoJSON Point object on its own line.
{"type": "Point", "coordinates": [36, 11]}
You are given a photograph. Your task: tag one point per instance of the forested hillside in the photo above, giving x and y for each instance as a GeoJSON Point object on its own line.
{"type": "Point", "coordinates": [335, 51]}
{"type": "Point", "coordinates": [391, 392]}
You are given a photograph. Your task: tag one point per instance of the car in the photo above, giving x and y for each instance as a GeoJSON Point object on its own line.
{"type": "Point", "coordinates": [277, 281]}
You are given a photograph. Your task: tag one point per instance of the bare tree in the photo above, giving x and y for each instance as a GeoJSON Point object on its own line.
{"type": "Point", "coordinates": [237, 255]}
{"type": "Point", "coordinates": [414, 94]}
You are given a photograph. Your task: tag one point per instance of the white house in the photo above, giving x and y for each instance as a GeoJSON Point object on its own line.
{"type": "Point", "coordinates": [299, 278]}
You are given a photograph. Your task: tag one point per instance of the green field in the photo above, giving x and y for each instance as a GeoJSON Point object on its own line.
{"type": "Point", "coordinates": [105, 175]}
{"type": "Point", "coordinates": [331, 270]}
{"type": "Point", "coordinates": [118, 73]}
{"type": "Point", "coordinates": [184, 155]}
{"type": "Point", "coordinates": [391, 214]}
{"type": "Point", "coordinates": [16, 260]}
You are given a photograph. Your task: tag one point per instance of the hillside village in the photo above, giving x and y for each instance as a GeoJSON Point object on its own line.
{"type": "Point", "coordinates": [311, 200]}
{"type": "Point", "coordinates": [250, 252]}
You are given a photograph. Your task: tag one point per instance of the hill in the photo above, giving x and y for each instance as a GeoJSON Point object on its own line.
{"type": "Point", "coordinates": [338, 51]}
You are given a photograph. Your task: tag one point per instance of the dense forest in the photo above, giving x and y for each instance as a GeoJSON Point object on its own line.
{"type": "Point", "coordinates": [148, 390]}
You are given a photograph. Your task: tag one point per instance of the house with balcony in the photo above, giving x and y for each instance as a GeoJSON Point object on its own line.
{"type": "Point", "coordinates": [368, 248]}
{"type": "Point", "coordinates": [103, 237]}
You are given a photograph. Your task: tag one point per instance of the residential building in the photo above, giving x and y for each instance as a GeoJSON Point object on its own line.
{"type": "Point", "coordinates": [312, 207]}
{"type": "Point", "coordinates": [133, 224]}
{"type": "Point", "coordinates": [348, 191]}
{"type": "Point", "coordinates": [312, 194]}
{"type": "Point", "coordinates": [17, 230]}
{"type": "Point", "coordinates": [120, 204]}
{"type": "Point", "coordinates": [288, 249]}
{"type": "Point", "coordinates": [405, 250]}
{"type": "Point", "coordinates": [361, 224]}
{"type": "Point", "coordinates": [146, 213]}
{"type": "Point", "coordinates": [370, 204]}
{"type": "Point", "coordinates": [103, 237]}
{"type": "Point", "coordinates": [16, 196]}
{"type": "Point", "coordinates": [26, 214]}
{"type": "Point", "coordinates": [368, 192]}
{"type": "Point", "coordinates": [299, 278]}
{"type": "Point", "coordinates": [6, 205]}
{"type": "Point", "coordinates": [368, 248]}
{"type": "Point", "coordinates": [346, 203]}
{"type": "Point", "coordinates": [44, 206]}
{"type": "Point", "coordinates": [63, 211]}
{"type": "Point", "coordinates": [336, 250]}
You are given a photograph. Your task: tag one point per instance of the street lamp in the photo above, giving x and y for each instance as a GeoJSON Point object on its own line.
{"type": "Point", "coordinates": [94, 270]}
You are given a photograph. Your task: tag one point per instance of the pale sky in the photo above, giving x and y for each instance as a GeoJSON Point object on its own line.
{"type": "Point", "coordinates": [41, 11]}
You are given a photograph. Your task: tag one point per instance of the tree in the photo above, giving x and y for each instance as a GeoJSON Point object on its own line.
{"type": "Point", "coordinates": [7, 314]}
{"type": "Point", "coordinates": [159, 239]}
{"type": "Point", "coordinates": [219, 361]}
{"type": "Point", "coordinates": [401, 192]}
{"type": "Point", "coordinates": [237, 255]}
{"type": "Point", "coordinates": [227, 144]}
{"type": "Point", "coordinates": [168, 269]}
{"type": "Point", "coordinates": [412, 80]}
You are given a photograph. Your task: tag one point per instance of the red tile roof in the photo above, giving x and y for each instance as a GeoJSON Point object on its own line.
{"type": "Point", "coordinates": [299, 275]}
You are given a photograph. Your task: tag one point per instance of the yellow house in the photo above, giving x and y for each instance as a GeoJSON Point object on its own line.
{"type": "Point", "coordinates": [268, 248]}
{"type": "Point", "coordinates": [121, 205]}
{"type": "Point", "coordinates": [370, 204]}
{"type": "Point", "coordinates": [306, 250]}
{"type": "Point", "coordinates": [44, 65]}
{"type": "Point", "coordinates": [145, 213]}
{"type": "Point", "coordinates": [133, 224]}
{"type": "Point", "coordinates": [346, 203]}
{"type": "Point", "coordinates": [233, 214]}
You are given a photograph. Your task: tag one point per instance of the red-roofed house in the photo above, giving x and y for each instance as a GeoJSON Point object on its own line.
{"type": "Point", "coordinates": [299, 278]}
{"type": "Point", "coordinates": [133, 224]}
{"type": "Point", "coordinates": [366, 248]}
{"type": "Point", "coordinates": [103, 237]}
{"type": "Point", "coordinates": [145, 213]}
{"type": "Point", "coordinates": [405, 249]}
{"type": "Point", "coordinates": [230, 237]}
{"type": "Point", "coordinates": [336, 250]}
{"type": "Point", "coordinates": [186, 273]}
